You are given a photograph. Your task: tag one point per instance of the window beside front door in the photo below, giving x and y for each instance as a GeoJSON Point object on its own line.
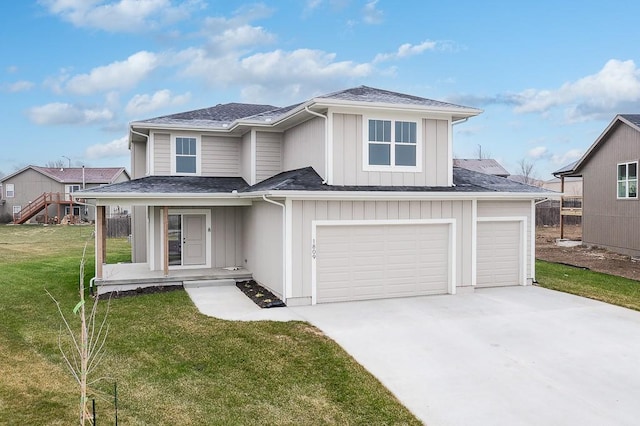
{"type": "Point", "coordinates": [391, 145]}
{"type": "Point", "coordinates": [186, 155]}
{"type": "Point", "coordinates": [9, 190]}
{"type": "Point", "coordinates": [628, 180]}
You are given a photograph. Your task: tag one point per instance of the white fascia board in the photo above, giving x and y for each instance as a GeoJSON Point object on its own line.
{"type": "Point", "coordinates": [160, 199]}
{"type": "Point", "coordinates": [169, 126]}
{"type": "Point", "coordinates": [392, 195]}
{"type": "Point", "coordinates": [463, 112]}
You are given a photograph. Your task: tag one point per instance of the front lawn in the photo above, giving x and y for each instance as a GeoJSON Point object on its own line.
{"type": "Point", "coordinates": [172, 364]}
{"type": "Point", "coordinates": [595, 285]}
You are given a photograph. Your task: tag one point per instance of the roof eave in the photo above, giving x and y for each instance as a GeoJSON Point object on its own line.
{"type": "Point", "coordinates": [399, 195]}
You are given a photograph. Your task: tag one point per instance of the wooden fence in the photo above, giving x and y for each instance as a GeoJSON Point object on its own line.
{"type": "Point", "coordinates": [118, 226]}
{"type": "Point", "coordinates": [548, 214]}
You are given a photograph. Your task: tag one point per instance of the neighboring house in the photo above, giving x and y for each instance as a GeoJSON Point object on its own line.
{"type": "Point", "coordinates": [572, 186]}
{"type": "Point", "coordinates": [346, 196]}
{"type": "Point", "coordinates": [527, 180]}
{"type": "Point", "coordinates": [484, 165]}
{"type": "Point", "coordinates": [26, 192]}
{"type": "Point", "coordinates": [609, 169]}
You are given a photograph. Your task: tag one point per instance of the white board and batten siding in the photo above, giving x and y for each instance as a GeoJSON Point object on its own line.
{"type": "Point", "coordinates": [504, 253]}
{"type": "Point", "coordinates": [304, 146]}
{"type": "Point", "coordinates": [161, 154]}
{"type": "Point", "coordinates": [348, 145]}
{"type": "Point", "coordinates": [307, 214]}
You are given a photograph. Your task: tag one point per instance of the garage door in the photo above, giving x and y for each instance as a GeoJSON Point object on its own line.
{"type": "Point", "coordinates": [499, 256]}
{"type": "Point", "coordinates": [357, 262]}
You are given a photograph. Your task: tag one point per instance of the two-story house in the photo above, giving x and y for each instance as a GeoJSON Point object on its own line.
{"type": "Point", "coordinates": [36, 193]}
{"type": "Point", "coordinates": [346, 196]}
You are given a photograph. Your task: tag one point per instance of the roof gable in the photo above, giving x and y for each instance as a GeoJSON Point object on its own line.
{"type": "Point", "coordinates": [631, 120]}
{"type": "Point", "coordinates": [97, 175]}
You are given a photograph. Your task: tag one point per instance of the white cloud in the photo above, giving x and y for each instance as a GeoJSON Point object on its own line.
{"type": "Point", "coordinates": [567, 157]}
{"type": "Point", "coordinates": [115, 148]}
{"type": "Point", "coordinates": [599, 95]}
{"type": "Point", "coordinates": [538, 152]}
{"type": "Point", "coordinates": [141, 104]}
{"type": "Point", "coordinates": [270, 71]}
{"type": "Point", "coordinates": [372, 15]}
{"type": "Point", "coordinates": [406, 50]}
{"type": "Point", "coordinates": [117, 75]}
{"type": "Point", "coordinates": [63, 113]}
{"type": "Point", "coordinates": [242, 36]}
{"type": "Point", "coordinates": [19, 86]}
{"type": "Point", "coordinates": [121, 15]}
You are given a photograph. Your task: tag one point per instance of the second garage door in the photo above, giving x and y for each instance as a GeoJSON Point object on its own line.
{"type": "Point", "coordinates": [499, 256]}
{"type": "Point", "coordinates": [357, 262]}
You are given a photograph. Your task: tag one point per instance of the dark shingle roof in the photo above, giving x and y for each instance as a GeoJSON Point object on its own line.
{"type": "Point", "coordinates": [99, 175]}
{"type": "Point", "coordinates": [484, 165]}
{"type": "Point", "coordinates": [219, 114]}
{"type": "Point", "coordinates": [632, 118]}
{"type": "Point", "coordinates": [307, 179]}
{"type": "Point", "coordinates": [174, 185]}
{"type": "Point", "coordinates": [371, 94]}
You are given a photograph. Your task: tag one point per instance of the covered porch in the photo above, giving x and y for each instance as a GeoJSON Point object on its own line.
{"type": "Point", "coordinates": [130, 276]}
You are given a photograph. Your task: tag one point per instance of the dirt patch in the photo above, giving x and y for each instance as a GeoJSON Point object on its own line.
{"type": "Point", "coordinates": [260, 295]}
{"type": "Point", "coordinates": [595, 259]}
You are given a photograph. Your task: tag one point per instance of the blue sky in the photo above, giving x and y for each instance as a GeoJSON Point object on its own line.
{"type": "Point", "coordinates": [549, 75]}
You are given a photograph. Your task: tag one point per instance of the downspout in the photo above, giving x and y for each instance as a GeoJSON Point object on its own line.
{"type": "Point", "coordinates": [284, 246]}
{"type": "Point", "coordinates": [147, 165]}
{"type": "Point", "coordinates": [534, 280]}
{"type": "Point", "coordinates": [326, 141]}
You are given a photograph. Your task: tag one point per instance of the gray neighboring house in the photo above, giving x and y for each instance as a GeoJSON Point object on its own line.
{"type": "Point", "coordinates": [26, 192]}
{"type": "Point", "coordinates": [346, 196]}
{"type": "Point", "coordinates": [483, 165]}
{"type": "Point", "coordinates": [609, 171]}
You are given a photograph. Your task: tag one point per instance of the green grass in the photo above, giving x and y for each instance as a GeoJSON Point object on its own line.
{"type": "Point", "coordinates": [594, 285]}
{"type": "Point", "coordinates": [172, 364]}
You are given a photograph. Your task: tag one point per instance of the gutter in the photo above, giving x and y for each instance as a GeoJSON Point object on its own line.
{"type": "Point", "coordinates": [284, 245]}
{"type": "Point", "coordinates": [326, 141]}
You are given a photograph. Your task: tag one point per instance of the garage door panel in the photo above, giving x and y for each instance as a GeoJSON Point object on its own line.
{"type": "Point", "coordinates": [380, 261]}
{"type": "Point", "coordinates": [499, 260]}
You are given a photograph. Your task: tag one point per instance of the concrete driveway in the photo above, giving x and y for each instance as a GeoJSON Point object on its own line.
{"type": "Point", "coordinates": [500, 356]}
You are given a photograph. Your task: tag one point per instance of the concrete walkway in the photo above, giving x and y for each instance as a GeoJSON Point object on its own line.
{"type": "Point", "coordinates": [502, 356]}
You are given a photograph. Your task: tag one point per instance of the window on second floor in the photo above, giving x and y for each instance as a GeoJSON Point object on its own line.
{"type": "Point", "coordinates": [628, 180]}
{"type": "Point", "coordinates": [391, 144]}
{"type": "Point", "coordinates": [186, 159]}
{"type": "Point", "coordinates": [9, 190]}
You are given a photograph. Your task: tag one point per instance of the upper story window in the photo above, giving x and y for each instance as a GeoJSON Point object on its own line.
{"type": "Point", "coordinates": [9, 190]}
{"type": "Point", "coordinates": [628, 180]}
{"type": "Point", "coordinates": [392, 144]}
{"type": "Point", "coordinates": [186, 159]}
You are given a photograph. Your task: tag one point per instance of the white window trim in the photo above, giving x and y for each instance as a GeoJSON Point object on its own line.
{"type": "Point", "coordinates": [626, 197]}
{"type": "Point", "coordinates": [198, 154]}
{"type": "Point", "coordinates": [8, 191]}
{"type": "Point", "coordinates": [393, 118]}
{"type": "Point", "coordinates": [17, 209]}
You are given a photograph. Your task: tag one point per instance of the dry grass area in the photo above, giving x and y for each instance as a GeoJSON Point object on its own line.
{"type": "Point", "coordinates": [173, 366]}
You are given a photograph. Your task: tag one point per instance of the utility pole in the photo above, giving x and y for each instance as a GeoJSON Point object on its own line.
{"type": "Point", "coordinates": [68, 159]}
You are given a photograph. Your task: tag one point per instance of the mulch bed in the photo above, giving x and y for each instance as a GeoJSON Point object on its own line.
{"type": "Point", "coordinates": [260, 295]}
{"type": "Point", "coordinates": [141, 290]}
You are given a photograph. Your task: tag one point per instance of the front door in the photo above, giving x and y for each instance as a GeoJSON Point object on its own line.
{"type": "Point", "coordinates": [187, 241]}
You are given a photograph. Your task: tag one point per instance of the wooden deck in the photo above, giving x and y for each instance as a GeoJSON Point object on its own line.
{"type": "Point", "coordinates": [129, 276]}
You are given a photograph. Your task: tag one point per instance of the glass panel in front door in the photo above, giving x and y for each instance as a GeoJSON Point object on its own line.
{"type": "Point", "coordinates": [175, 239]}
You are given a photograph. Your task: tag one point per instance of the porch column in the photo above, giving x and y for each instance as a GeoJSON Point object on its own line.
{"type": "Point", "coordinates": [101, 241]}
{"type": "Point", "coordinates": [165, 240]}
{"type": "Point", "coordinates": [561, 204]}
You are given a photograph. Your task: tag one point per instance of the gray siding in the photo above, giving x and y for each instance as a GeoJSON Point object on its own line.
{"type": "Point", "coordinates": [139, 234]}
{"type": "Point", "coordinates": [263, 244]}
{"type": "Point", "coordinates": [161, 154]}
{"type": "Point", "coordinates": [245, 158]}
{"type": "Point", "coordinates": [304, 146]}
{"type": "Point", "coordinates": [268, 155]}
{"type": "Point", "coordinates": [606, 221]}
{"type": "Point", "coordinates": [138, 159]}
{"type": "Point", "coordinates": [348, 145]}
{"type": "Point", "coordinates": [510, 209]}
{"type": "Point", "coordinates": [220, 156]}
{"type": "Point", "coordinates": [304, 212]}
{"type": "Point", "coordinates": [226, 236]}
{"type": "Point", "coordinates": [28, 186]}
